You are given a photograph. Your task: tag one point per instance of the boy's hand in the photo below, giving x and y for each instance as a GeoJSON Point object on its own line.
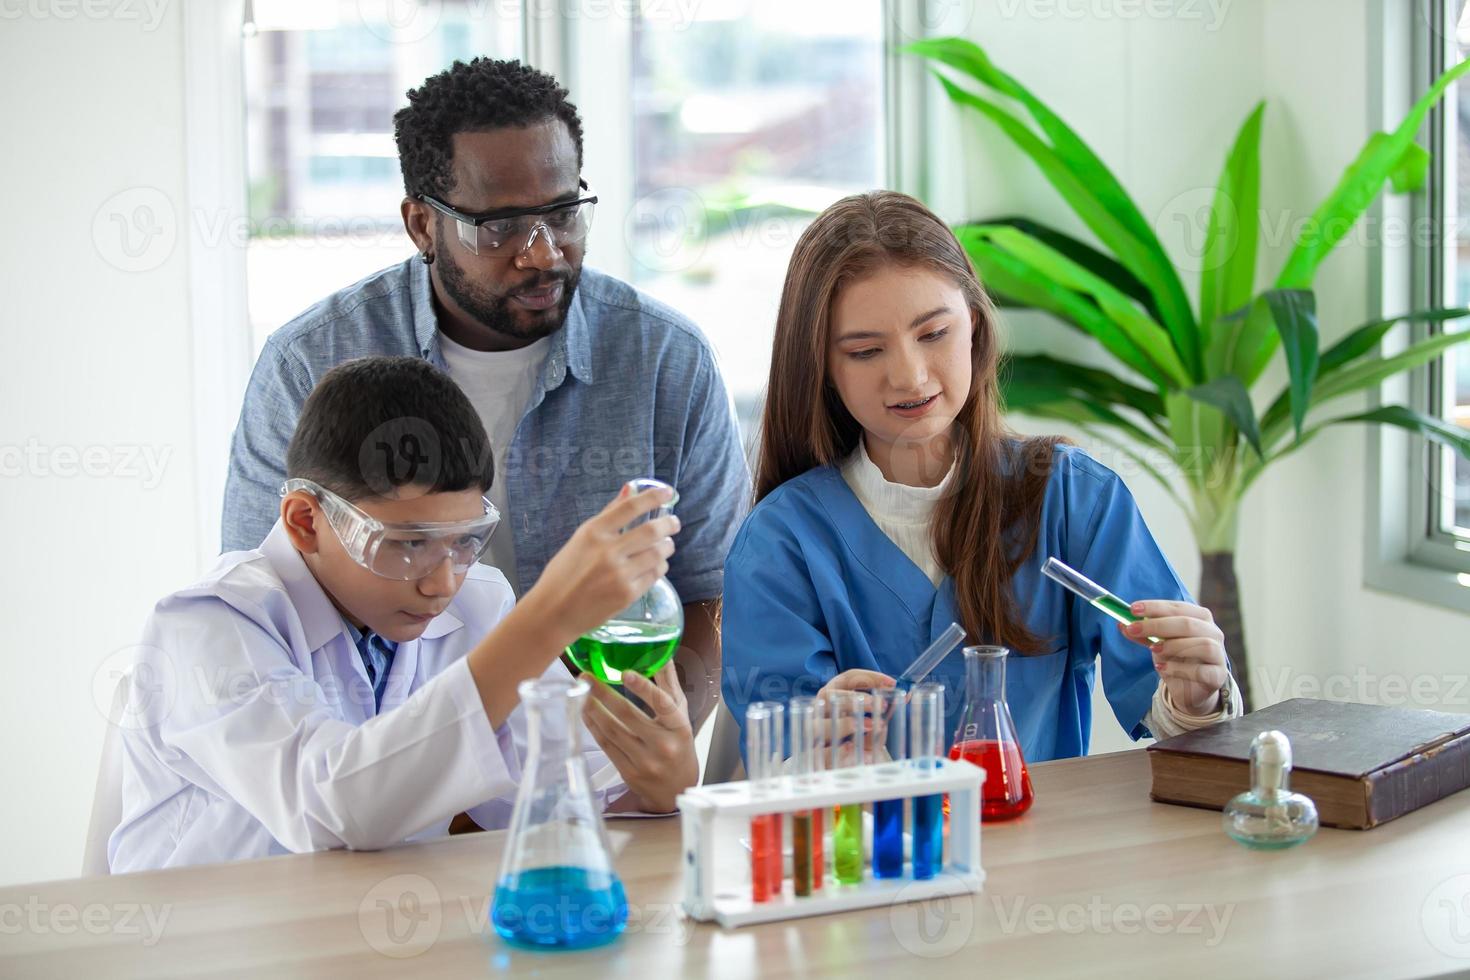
{"type": "Point", "coordinates": [655, 756]}
{"type": "Point", "coordinates": [601, 570]}
{"type": "Point", "coordinates": [1190, 655]}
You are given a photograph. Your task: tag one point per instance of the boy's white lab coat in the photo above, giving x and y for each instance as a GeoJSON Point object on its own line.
{"type": "Point", "coordinates": [254, 730]}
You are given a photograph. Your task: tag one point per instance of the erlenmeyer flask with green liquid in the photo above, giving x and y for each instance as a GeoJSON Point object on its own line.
{"type": "Point", "coordinates": [644, 636]}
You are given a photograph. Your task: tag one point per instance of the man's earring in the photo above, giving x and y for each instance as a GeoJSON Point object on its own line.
{"type": "Point", "coordinates": [426, 257]}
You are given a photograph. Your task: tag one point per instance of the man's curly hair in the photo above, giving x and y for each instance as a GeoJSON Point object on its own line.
{"type": "Point", "coordinates": [471, 98]}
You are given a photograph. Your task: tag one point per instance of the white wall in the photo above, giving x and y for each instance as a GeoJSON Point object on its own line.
{"type": "Point", "coordinates": [101, 356]}
{"type": "Point", "coordinates": [95, 356]}
{"type": "Point", "coordinates": [1160, 98]}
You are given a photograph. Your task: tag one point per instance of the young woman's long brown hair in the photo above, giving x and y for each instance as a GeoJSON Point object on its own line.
{"type": "Point", "coordinates": [988, 523]}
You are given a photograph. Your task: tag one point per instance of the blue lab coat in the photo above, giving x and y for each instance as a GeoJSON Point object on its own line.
{"type": "Point", "coordinates": [813, 587]}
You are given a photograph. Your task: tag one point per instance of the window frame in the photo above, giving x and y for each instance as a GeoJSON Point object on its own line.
{"type": "Point", "coordinates": [216, 173]}
{"type": "Point", "coordinates": [1407, 553]}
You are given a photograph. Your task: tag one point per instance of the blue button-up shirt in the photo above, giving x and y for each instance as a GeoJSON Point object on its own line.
{"type": "Point", "coordinates": [629, 388]}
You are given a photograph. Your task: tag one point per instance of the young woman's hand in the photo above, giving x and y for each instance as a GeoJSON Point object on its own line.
{"type": "Point", "coordinates": [601, 570]}
{"type": "Point", "coordinates": [1189, 655]}
{"type": "Point", "coordinates": [856, 679]}
{"type": "Point", "coordinates": [654, 754]}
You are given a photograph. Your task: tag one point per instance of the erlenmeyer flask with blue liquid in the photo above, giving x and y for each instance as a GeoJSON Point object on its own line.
{"type": "Point", "coordinates": [557, 888]}
{"type": "Point", "coordinates": [644, 636]}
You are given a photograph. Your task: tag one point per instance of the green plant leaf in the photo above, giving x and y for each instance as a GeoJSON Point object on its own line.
{"type": "Point", "coordinates": [1045, 401]}
{"type": "Point", "coordinates": [1227, 394]}
{"type": "Point", "coordinates": [1082, 180]}
{"type": "Point", "coordinates": [1008, 275]}
{"type": "Point", "coordinates": [1366, 374]}
{"type": "Point", "coordinates": [1294, 312]}
{"type": "Point", "coordinates": [1082, 382]}
{"type": "Point", "coordinates": [1360, 183]}
{"type": "Point", "coordinates": [1144, 333]}
{"type": "Point", "coordinates": [1361, 340]}
{"type": "Point", "coordinates": [1431, 428]}
{"type": "Point", "coordinates": [1411, 171]}
{"type": "Point", "coordinates": [1098, 263]}
{"type": "Point", "coordinates": [1360, 376]}
{"type": "Point", "coordinates": [1228, 277]}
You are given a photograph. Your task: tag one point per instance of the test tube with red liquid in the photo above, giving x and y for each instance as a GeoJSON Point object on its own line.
{"type": "Point", "coordinates": [763, 729]}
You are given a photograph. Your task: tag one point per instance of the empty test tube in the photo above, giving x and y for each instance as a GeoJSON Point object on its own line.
{"type": "Point", "coordinates": [889, 749]}
{"type": "Point", "coordinates": [807, 865]}
{"type": "Point", "coordinates": [762, 761]}
{"type": "Point", "coordinates": [848, 712]}
{"type": "Point", "coordinates": [926, 750]}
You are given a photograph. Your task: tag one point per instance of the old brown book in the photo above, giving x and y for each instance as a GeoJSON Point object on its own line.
{"type": "Point", "coordinates": [1362, 764]}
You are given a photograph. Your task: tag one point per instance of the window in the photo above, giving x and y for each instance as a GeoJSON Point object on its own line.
{"type": "Point", "coordinates": [322, 81]}
{"type": "Point", "coordinates": [746, 120]}
{"type": "Point", "coordinates": [1444, 515]}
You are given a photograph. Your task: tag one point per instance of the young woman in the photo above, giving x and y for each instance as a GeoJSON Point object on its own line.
{"type": "Point", "coordinates": [892, 501]}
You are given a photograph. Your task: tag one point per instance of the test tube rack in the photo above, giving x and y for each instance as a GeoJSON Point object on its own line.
{"type": "Point", "coordinates": [729, 903]}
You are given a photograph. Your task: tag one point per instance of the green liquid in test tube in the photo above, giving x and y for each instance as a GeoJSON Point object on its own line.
{"type": "Point", "coordinates": [1097, 596]}
{"type": "Point", "coordinates": [847, 714]}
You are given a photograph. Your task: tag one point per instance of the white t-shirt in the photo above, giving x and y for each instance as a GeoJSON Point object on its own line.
{"type": "Point", "coordinates": [499, 385]}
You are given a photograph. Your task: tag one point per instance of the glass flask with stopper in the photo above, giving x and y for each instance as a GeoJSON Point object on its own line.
{"type": "Point", "coordinates": [643, 636]}
{"type": "Point", "coordinates": [986, 736]}
{"type": "Point", "coordinates": [557, 888]}
{"type": "Point", "coordinates": [1269, 816]}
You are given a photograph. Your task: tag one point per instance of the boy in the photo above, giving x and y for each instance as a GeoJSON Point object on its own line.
{"type": "Point", "coordinates": [352, 682]}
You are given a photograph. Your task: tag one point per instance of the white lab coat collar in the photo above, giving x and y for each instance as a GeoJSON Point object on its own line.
{"type": "Point", "coordinates": [321, 623]}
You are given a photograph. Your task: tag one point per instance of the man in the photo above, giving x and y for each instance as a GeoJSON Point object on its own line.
{"type": "Point", "coordinates": [581, 381]}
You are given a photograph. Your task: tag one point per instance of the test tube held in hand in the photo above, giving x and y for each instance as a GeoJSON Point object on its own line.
{"type": "Point", "coordinates": [926, 749]}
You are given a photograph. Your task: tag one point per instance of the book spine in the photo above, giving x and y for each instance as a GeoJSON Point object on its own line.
{"type": "Point", "coordinates": [1418, 780]}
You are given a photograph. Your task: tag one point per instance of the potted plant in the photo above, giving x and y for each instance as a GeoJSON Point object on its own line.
{"type": "Point", "coordinates": [1181, 393]}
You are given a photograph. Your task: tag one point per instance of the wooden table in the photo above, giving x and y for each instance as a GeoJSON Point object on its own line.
{"type": "Point", "coordinates": [1096, 880]}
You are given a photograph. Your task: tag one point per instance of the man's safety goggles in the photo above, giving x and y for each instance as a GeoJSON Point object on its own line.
{"type": "Point", "coordinates": [404, 552]}
{"type": "Point", "coordinates": [513, 230]}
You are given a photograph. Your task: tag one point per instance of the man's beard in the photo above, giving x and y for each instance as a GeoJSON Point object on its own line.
{"type": "Point", "coordinates": [495, 313]}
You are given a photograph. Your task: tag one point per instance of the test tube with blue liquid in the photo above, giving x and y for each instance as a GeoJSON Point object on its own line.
{"type": "Point", "coordinates": [848, 711]}
{"type": "Point", "coordinates": [889, 742]}
{"type": "Point", "coordinates": [808, 865]}
{"type": "Point", "coordinates": [926, 750]}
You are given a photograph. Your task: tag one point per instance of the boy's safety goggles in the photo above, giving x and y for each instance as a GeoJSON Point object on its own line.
{"type": "Point", "coordinates": [402, 551]}
{"type": "Point", "coordinates": [513, 230]}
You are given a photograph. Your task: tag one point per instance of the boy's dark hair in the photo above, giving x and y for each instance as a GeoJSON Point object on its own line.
{"type": "Point", "coordinates": [375, 424]}
{"type": "Point", "coordinates": [472, 98]}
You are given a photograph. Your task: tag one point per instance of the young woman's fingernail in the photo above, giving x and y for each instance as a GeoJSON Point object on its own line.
{"type": "Point", "coordinates": [1137, 608]}
{"type": "Point", "coordinates": [1135, 628]}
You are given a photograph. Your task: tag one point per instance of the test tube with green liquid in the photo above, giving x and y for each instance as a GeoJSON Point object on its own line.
{"type": "Point", "coordinates": [848, 716]}
{"type": "Point", "coordinates": [1096, 596]}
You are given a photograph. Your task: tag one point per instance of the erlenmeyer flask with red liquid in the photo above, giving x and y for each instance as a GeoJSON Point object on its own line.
{"type": "Point", "coordinates": [986, 736]}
